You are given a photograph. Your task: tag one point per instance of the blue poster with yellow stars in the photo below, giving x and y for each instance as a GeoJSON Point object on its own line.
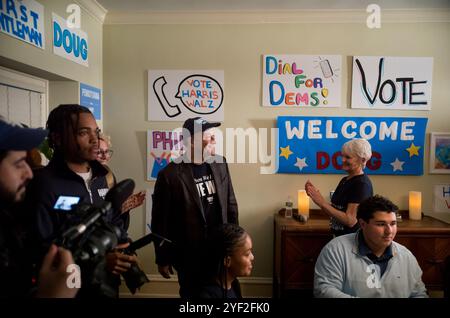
{"type": "Point", "coordinates": [308, 145]}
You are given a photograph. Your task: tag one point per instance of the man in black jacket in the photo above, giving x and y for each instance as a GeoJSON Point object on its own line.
{"type": "Point", "coordinates": [16, 268]}
{"type": "Point", "coordinates": [191, 196]}
{"type": "Point", "coordinates": [74, 171]}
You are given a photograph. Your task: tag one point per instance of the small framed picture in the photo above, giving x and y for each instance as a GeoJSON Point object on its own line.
{"type": "Point", "coordinates": [440, 153]}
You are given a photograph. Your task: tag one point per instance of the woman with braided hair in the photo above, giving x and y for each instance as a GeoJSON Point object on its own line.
{"type": "Point", "coordinates": [229, 256]}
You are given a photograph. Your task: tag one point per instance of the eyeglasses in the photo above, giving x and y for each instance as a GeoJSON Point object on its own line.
{"type": "Point", "coordinates": [105, 153]}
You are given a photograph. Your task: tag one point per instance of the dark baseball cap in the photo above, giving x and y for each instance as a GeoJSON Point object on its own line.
{"type": "Point", "coordinates": [198, 124]}
{"type": "Point", "coordinates": [15, 137]}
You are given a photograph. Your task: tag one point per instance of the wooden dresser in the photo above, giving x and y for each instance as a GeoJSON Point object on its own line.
{"type": "Point", "coordinates": [297, 246]}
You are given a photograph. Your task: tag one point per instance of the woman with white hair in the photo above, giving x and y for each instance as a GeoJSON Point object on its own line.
{"type": "Point", "coordinates": [351, 190]}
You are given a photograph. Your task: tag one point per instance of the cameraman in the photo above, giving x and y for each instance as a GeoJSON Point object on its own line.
{"type": "Point", "coordinates": [15, 265]}
{"type": "Point", "coordinates": [74, 171]}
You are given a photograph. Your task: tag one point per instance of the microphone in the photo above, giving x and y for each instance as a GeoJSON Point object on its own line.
{"type": "Point", "coordinates": [147, 239]}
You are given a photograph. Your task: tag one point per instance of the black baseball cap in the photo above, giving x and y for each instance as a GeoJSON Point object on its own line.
{"type": "Point", "coordinates": [15, 137]}
{"type": "Point", "coordinates": [198, 124]}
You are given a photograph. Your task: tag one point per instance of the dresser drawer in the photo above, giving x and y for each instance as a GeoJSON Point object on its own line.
{"type": "Point", "coordinates": [430, 253]}
{"type": "Point", "coordinates": [299, 259]}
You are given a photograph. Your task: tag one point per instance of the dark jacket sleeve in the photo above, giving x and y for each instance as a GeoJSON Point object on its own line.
{"type": "Point", "coordinates": [161, 212]}
{"type": "Point", "coordinates": [40, 203]}
{"type": "Point", "coordinates": [232, 206]}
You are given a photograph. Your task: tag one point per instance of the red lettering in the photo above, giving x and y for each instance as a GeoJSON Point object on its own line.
{"type": "Point", "coordinates": [157, 138]}
{"type": "Point", "coordinates": [336, 165]}
{"type": "Point", "coordinates": [375, 161]}
{"type": "Point", "coordinates": [322, 155]}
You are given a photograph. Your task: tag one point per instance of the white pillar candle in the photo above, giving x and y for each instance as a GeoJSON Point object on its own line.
{"type": "Point", "coordinates": [415, 205]}
{"type": "Point", "coordinates": [303, 203]}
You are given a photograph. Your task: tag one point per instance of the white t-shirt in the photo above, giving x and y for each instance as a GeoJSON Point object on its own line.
{"type": "Point", "coordinates": [87, 177]}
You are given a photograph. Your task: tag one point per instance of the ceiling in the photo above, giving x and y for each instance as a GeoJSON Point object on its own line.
{"type": "Point", "coordinates": [262, 5]}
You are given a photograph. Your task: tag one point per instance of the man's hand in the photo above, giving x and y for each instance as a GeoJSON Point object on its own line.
{"type": "Point", "coordinates": [117, 262]}
{"type": "Point", "coordinates": [133, 201]}
{"type": "Point", "coordinates": [52, 280]}
{"type": "Point", "coordinates": [165, 270]}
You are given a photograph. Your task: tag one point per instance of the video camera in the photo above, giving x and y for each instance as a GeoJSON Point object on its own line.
{"type": "Point", "coordinates": [92, 232]}
{"type": "Point", "coordinates": [90, 237]}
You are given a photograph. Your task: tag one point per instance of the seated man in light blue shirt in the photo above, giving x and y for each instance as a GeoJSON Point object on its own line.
{"type": "Point", "coordinates": [369, 263]}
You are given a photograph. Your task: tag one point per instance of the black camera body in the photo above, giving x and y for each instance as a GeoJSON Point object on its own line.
{"type": "Point", "coordinates": [89, 237]}
{"type": "Point", "coordinates": [135, 277]}
{"type": "Point", "coordinates": [90, 233]}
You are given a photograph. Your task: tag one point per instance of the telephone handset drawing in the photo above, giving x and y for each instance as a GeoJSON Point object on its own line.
{"type": "Point", "coordinates": [158, 88]}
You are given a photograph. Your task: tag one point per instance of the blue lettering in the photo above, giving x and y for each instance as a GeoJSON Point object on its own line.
{"type": "Point", "coordinates": [35, 17]}
{"type": "Point", "coordinates": [67, 41]}
{"type": "Point", "coordinates": [4, 19]}
{"type": "Point", "coordinates": [272, 100]}
{"type": "Point", "coordinates": [11, 7]}
{"type": "Point", "coordinates": [24, 16]}
{"type": "Point", "coordinates": [71, 42]}
{"type": "Point", "coordinates": [84, 49]}
{"type": "Point", "coordinates": [445, 193]}
{"type": "Point", "coordinates": [185, 93]}
{"type": "Point", "coordinates": [76, 45]}
{"type": "Point", "coordinates": [271, 69]}
{"type": "Point", "coordinates": [36, 37]}
{"type": "Point", "coordinates": [20, 30]}
{"type": "Point", "coordinates": [57, 34]}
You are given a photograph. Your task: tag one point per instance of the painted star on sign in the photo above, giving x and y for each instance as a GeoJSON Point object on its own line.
{"type": "Point", "coordinates": [301, 163]}
{"type": "Point", "coordinates": [285, 152]}
{"type": "Point", "coordinates": [413, 150]}
{"type": "Point", "coordinates": [397, 165]}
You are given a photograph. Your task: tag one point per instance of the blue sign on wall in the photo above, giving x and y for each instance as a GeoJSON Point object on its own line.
{"type": "Point", "coordinates": [91, 97]}
{"type": "Point", "coordinates": [312, 144]}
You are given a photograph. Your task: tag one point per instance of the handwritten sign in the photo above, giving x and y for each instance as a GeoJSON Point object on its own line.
{"type": "Point", "coordinates": [23, 20]}
{"type": "Point", "coordinates": [70, 43]}
{"type": "Point", "coordinates": [162, 147]}
{"type": "Point", "coordinates": [302, 80]}
{"type": "Point", "coordinates": [312, 144]}
{"type": "Point", "coordinates": [179, 95]}
{"type": "Point", "coordinates": [392, 82]}
{"type": "Point", "coordinates": [442, 198]}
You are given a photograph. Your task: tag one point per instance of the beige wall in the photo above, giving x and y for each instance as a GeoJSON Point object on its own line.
{"type": "Point", "coordinates": [43, 63]}
{"type": "Point", "coordinates": [130, 50]}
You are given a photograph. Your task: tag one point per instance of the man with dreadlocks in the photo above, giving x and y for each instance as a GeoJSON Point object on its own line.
{"type": "Point", "coordinates": [74, 171]}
